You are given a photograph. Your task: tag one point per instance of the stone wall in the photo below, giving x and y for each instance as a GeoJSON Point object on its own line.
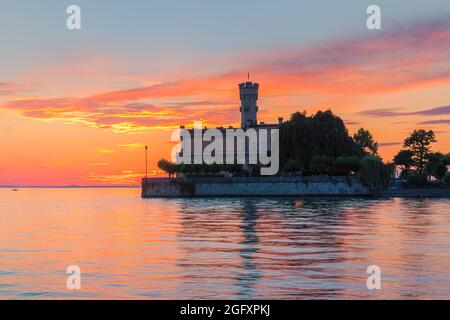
{"type": "Point", "coordinates": [261, 186]}
{"type": "Point", "coordinates": [417, 192]}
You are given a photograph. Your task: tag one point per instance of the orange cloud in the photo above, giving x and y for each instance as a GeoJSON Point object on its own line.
{"type": "Point", "coordinates": [124, 178]}
{"type": "Point", "coordinates": [413, 56]}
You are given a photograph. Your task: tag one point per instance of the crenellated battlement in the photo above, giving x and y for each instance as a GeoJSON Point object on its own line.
{"type": "Point", "coordinates": [249, 85]}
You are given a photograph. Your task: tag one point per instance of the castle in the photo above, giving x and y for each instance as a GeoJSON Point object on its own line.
{"type": "Point", "coordinates": [246, 142]}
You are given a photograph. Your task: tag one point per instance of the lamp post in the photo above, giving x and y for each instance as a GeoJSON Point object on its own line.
{"type": "Point", "coordinates": [146, 148]}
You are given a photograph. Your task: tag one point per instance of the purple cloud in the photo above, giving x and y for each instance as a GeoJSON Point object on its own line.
{"type": "Point", "coordinates": [445, 110]}
{"type": "Point", "coordinates": [442, 121]}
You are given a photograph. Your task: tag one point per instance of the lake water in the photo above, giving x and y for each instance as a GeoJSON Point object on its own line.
{"type": "Point", "coordinates": [234, 248]}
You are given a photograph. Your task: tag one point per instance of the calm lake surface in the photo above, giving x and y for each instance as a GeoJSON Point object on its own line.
{"type": "Point", "coordinates": [235, 248]}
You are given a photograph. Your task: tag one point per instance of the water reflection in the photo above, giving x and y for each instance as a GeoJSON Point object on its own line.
{"type": "Point", "coordinates": [249, 274]}
{"type": "Point", "coordinates": [313, 248]}
{"type": "Point", "coordinates": [241, 248]}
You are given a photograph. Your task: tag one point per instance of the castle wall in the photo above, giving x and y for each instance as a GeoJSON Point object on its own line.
{"type": "Point", "coordinates": [260, 186]}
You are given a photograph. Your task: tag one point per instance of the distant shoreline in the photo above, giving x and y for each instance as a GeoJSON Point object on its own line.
{"type": "Point", "coordinates": [66, 187]}
{"type": "Point", "coordinates": [406, 192]}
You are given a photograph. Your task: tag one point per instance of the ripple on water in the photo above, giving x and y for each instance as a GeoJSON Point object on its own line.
{"type": "Point", "coordinates": [243, 248]}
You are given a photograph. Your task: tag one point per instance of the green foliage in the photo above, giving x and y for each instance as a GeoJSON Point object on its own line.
{"type": "Point", "coordinates": [305, 138]}
{"type": "Point", "coordinates": [419, 143]}
{"type": "Point", "coordinates": [447, 159]}
{"type": "Point", "coordinates": [404, 159]}
{"type": "Point", "coordinates": [340, 166]}
{"type": "Point", "coordinates": [349, 164]}
{"type": "Point", "coordinates": [322, 165]}
{"type": "Point", "coordinates": [292, 165]}
{"type": "Point", "coordinates": [375, 174]}
{"type": "Point", "coordinates": [447, 178]}
{"type": "Point", "coordinates": [415, 179]}
{"type": "Point", "coordinates": [320, 145]}
{"type": "Point", "coordinates": [167, 166]}
{"type": "Point", "coordinates": [364, 140]}
{"type": "Point", "coordinates": [418, 162]}
{"type": "Point", "coordinates": [437, 165]}
{"type": "Point", "coordinates": [197, 169]}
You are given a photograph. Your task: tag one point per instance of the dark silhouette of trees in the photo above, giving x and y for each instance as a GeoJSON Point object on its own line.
{"type": "Point", "coordinates": [447, 178]}
{"type": "Point", "coordinates": [447, 159]}
{"type": "Point", "coordinates": [306, 138]}
{"type": "Point", "coordinates": [364, 139]}
{"type": "Point", "coordinates": [167, 166]}
{"type": "Point", "coordinates": [404, 159]}
{"type": "Point", "coordinates": [375, 174]}
{"type": "Point", "coordinates": [419, 143]}
{"type": "Point", "coordinates": [418, 162]}
{"type": "Point", "coordinates": [199, 169]}
{"type": "Point", "coordinates": [321, 145]}
{"type": "Point", "coordinates": [437, 165]}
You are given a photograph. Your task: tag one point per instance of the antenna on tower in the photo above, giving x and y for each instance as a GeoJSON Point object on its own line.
{"type": "Point", "coordinates": [248, 76]}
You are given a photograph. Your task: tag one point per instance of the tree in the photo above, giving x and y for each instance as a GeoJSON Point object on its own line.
{"type": "Point", "coordinates": [364, 140]}
{"type": "Point", "coordinates": [375, 174]}
{"type": "Point", "coordinates": [322, 165]}
{"type": "Point", "coordinates": [292, 165]}
{"type": "Point", "coordinates": [447, 159]}
{"type": "Point", "coordinates": [168, 167]}
{"type": "Point", "coordinates": [419, 143]}
{"type": "Point", "coordinates": [447, 178]}
{"type": "Point", "coordinates": [404, 159]}
{"type": "Point", "coordinates": [304, 138]}
{"type": "Point", "coordinates": [347, 165]}
{"type": "Point", "coordinates": [437, 165]}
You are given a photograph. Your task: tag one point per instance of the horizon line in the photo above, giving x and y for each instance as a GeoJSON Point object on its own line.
{"type": "Point", "coordinates": [69, 186]}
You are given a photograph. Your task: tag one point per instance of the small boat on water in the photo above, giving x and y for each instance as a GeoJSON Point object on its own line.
{"type": "Point", "coordinates": [15, 189]}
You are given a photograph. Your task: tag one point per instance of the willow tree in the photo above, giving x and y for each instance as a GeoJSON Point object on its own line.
{"type": "Point", "coordinates": [375, 174]}
{"type": "Point", "coordinates": [304, 138]}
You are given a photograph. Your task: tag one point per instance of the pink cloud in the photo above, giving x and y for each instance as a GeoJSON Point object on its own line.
{"type": "Point", "coordinates": [9, 89]}
{"type": "Point", "coordinates": [412, 56]}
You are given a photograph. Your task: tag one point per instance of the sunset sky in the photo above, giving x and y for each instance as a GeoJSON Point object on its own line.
{"type": "Point", "coordinates": [77, 107]}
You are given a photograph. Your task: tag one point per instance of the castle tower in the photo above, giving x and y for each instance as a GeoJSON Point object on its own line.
{"type": "Point", "coordinates": [249, 109]}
